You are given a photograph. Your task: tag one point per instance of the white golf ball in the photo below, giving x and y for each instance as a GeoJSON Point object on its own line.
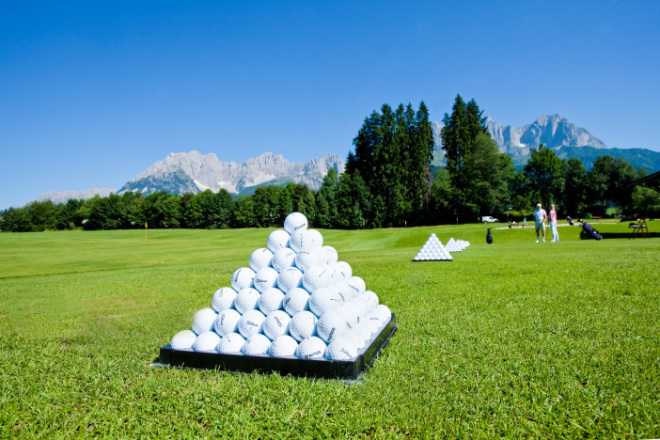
{"type": "Point", "coordinates": [375, 322]}
{"type": "Point", "coordinates": [289, 278]}
{"type": "Point", "coordinates": [278, 239]}
{"type": "Point", "coordinates": [302, 325]}
{"type": "Point", "coordinates": [230, 344]}
{"type": "Point", "coordinates": [341, 349]}
{"type": "Point", "coordinates": [383, 312]}
{"type": "Point", "coordinates": [343, 290]}
{"type": "Point", "coordinates": [351, 312]}
{"type": "Point", "coordinates": [223, 298]}
{"type": "Point", "coordinates": [242, 278]}
{"type": "Point", "coordinates": [331, 255]}
{"type": "Point", "coordinates": [316, 277]}
{"type": "Point", "coordinates": [297, 240]}
{"type": "Point", "coordinates": [270, 300]}
{"type": "Point", "coordinates": [256, 345]}
{"type": "Point", "coordinates": [246, 300]}
{"type": "Point", "coordinates": [370, 299]}
{"type": "Point", "coordinates": [324, 300]}
{"type": "Point", "coordinates": [295, 221]}
{"type": "Point", "coordinates": [315, 237]}
{"type": "Point", "coordinates": [260, 258]}
{"type": "Point", "coordinates": [311, 348]}
{"type": "Point", "coordinates": [295, 301]}
{"type": "Point", "coordinates": [203, 320]}
{"type": "Point", "coordinates": [331, 325]}
{"type": "Point", "coordinates": [276, 324]}
{"type": "Point", "coordinates": [357, 285]}
{"type": "Point", "coordinates": [206, 342]}
{"type": "Point", "coordinates": [283, 258]}
{"type": "Point", "coordinates": [183, 340]}
{"type": "Point", "coordinates": [265, 278]}
{"type": "Point", "coordinates": [227, 322]}
{"type": "Point", "coordinates": [345, 269]}
{"type": "Point", "coordinates": [361, 335]}
{"type": "Point", "coordinates": [283, 346]}
{"type": "Point", "coordinates": [307, 258]}
{"type": "Point", "coordinates": [251, 323]}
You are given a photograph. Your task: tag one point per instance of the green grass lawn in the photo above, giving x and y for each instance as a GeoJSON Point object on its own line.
{"type": "Point", "coordinates": [509, 340]}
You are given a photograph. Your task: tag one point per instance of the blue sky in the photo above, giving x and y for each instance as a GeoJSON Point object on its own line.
{"type": "Point", "coordinates": [93, 93]}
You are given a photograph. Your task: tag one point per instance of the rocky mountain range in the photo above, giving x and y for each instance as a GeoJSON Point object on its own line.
{"type": "Point", "coordinates": [63, 196]}
{"type": "Point", "coordinates": [553, 131]}
{"type": "Point", "coordinates": [193, 172]}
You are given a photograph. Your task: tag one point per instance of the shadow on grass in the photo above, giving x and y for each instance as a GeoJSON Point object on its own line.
{"type": "Point", "coordinates": [626, 235]}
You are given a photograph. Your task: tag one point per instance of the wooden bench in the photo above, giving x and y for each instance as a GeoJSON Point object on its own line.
{"type": "Point", "coordinates": [639, 227]}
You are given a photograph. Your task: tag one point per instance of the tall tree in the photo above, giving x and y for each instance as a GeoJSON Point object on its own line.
{"type": "Point", "coordinates": [611, 180]}
{"type": "Point", "coordinates": [574, 198]}
{"type": "Point", "coordinates": [393, 152]}
{"type": "Point", "coordinates": [473, 165]}
{"type": "Point", "coordinates": [545, 172]}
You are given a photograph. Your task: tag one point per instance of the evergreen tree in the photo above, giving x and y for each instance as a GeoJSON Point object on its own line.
{"type": "Point", "coordinates": [545, 173]}
{"type": "Point", "coordinates": [574, 200]}
{"type": "Point", "coordinates": [473, 164]}
{"type": "Point", "coordinates": [393, 152]}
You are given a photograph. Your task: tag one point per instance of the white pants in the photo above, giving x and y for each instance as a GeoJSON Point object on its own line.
{"type": "Point", "coordinates": [553, 230]}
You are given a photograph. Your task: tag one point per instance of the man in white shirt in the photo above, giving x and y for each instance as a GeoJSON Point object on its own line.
{"type": "Point", "coordinates": [540, 216]}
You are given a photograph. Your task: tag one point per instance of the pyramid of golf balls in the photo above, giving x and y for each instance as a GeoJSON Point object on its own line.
{"type": "Point", "coordinates": [433, 250]}
{"type": "Point", "coordinates": [295, 300]}
{"type": "Point", "coordinates": [456, 245]}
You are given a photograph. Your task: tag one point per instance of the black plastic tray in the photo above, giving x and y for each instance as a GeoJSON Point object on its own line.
{"type": "Point", "coordinates": [313, 368]}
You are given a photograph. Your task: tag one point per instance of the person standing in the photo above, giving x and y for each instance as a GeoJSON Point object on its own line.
{"type": "Point", "coordinates": [553, 224]}
{"type": "Point", "coordinates": [540, 216]}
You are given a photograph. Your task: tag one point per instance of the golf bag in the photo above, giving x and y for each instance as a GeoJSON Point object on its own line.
{"type": "Point", "coordinates": [586, 227]}
{"type": "Point", "coordinates": [489, 237]}
{"type": "Point", "coordinates": [570, 220]}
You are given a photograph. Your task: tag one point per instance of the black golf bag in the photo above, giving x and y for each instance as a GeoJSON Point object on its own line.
{"type": "Point", "coordinates": [570, 220]}
{"type": "Point", "coordinates": [489, 237]}
{"type": "Point", "coordinates": [589, 230]}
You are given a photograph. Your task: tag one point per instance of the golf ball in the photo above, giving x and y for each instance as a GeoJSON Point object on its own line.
{"type": "Point", "coordinates": [256, 345]}
{"type": "Point", "coordinates": [278, 239]}
{"type": "Point", "coordinates": [227, 322]}
{"type": "Point", "coordinates": [251, 323]}
{"type": "Point", "coordinates": [295, 301]}
{"type": "Point", "coordinates": [206, 342]}
{"type": "Point", "coordinates": [203, 320]}
{"type": "Point", "coordinates": [230, 344]}
{"type": "Point", "coordinates": [302, 325]}
{"type": "Point", "coordinates": [265, 278]}
{"type": "Point", "coordinates": [270, 300]}
{"type": "Point", "coordinates": [260, 258]}
{"type": "Point", "coordinates": [276, 324]}
{"type": "Point", "coordinates": [283, 346]}
{"type": "Point", "coordinates": [246, 300]}
{"type": "Point", "coordinates": [341, 349]}
{"type": "Point", "coordinates": [324, 300]}
{"type": "Point", "coordinates": [283, 258]}
{"type": "Point", "coordinates": [331, 325]}
{"type": "Point", "coordinates": [242, 278]}
{"type": "Point", "coordinates": [183, 340]}
{"type": "Point", "coordinates": [289, 278]}
{"type": "Point", "coordinates": [223, 298]}
{"type": "Point", "coordinates": [295, 221]}
{"type": "Point", "coordinates": [311, 348]}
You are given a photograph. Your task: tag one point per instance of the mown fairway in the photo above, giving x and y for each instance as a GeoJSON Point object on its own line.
{"type": "Point", "coordinates": [510, 340]}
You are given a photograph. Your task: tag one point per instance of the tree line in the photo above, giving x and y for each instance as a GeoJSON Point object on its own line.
{"type": "Point", "coordinates": [388, 182]}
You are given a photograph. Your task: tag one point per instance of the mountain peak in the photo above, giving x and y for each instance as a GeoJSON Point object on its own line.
{"type": "Point", "coordinates": [193, 172]}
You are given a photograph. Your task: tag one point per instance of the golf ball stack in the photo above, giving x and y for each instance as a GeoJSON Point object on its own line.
{"type": "Point", "coordinates": [295, 299]}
